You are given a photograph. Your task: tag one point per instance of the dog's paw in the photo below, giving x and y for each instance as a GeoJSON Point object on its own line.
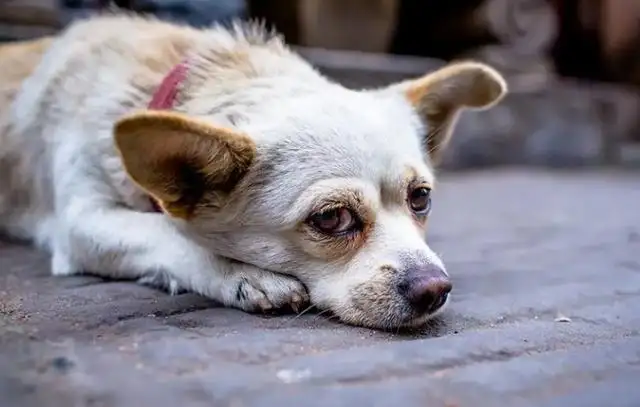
{"type": "Point", "coordinates": [257, 290]}
{"type": "Point", "coordinates": [61, 265]}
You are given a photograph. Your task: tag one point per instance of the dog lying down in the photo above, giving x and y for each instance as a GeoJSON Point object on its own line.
{"type": "Point", "coordinates": [218, 161]}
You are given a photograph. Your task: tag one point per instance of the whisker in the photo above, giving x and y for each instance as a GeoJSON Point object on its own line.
{"type": "Point", "coordinates": [331, 317]}
{"type": "Point", "coordinates": [304, 311]}
{"type": "Point", "coordinates": [323, 314]}
{"type": "Point", "coordinates": [291, 320]}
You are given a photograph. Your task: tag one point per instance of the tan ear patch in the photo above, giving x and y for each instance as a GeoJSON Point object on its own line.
{"type": "Point", "coordinates": [460, 85]}
{"type": "Point", "coordinates": [439, 97]}
{"type": "Point", "coordinates": [180, 161]}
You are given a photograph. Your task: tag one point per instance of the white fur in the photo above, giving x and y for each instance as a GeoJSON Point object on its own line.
{"type": "Point", "coordinates": [66, 188]}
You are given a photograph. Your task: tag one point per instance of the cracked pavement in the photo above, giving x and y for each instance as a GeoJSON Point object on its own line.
{"type": "Point", "coordinates": [545, 312]}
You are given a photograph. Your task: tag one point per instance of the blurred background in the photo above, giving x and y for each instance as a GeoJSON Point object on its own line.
{"type": "Point", "coordinates": [573, 65]}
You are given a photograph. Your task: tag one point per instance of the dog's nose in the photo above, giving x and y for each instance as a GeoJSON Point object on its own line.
{"type": "Point", "coordinates": [426, 289]}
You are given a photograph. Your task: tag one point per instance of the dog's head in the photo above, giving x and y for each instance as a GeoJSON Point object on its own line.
{"type": "Point", "coordinates": [330, 185]}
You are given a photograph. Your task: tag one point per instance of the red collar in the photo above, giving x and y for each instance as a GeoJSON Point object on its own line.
{"type": "Point", "coordinates": [164, 98]}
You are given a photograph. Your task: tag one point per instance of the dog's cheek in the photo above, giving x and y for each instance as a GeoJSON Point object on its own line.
{"type": "Point", "coordinates": [421, 223]}
{"type": "Point", "coordinates": [330, 249]}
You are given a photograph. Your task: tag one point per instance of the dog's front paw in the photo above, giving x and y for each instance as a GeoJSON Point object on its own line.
{"type": "Point", "coordinates": [253, 289]}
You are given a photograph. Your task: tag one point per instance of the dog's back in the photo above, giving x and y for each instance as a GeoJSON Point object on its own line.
{"type": "Point", "coordinates": [18, 60]}
{"type": "Point", "coordinates": [93, 71]}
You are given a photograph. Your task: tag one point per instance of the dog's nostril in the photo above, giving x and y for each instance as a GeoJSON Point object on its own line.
{"type": "Point", "coordinates": [427, 294]}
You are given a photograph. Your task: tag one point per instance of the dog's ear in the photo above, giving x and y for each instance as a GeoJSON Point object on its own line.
{"type": "Point", "coordinates": [438, 97]}
{"type": "Point", "coordinates": [182, 162]}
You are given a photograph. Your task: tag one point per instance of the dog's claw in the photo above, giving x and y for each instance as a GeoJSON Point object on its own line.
{"type": "Point", "coordinates": [265, 305]}
{"type": "Point", "coordinates": [259, 290]}
{"type": "Point", "coordinates": [297, 301]}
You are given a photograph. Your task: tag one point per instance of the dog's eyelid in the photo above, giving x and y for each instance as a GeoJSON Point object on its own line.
{"type": "Point", "coordinates": [329, 206]}
{"type": "Point", "coordinates": [350, 200]}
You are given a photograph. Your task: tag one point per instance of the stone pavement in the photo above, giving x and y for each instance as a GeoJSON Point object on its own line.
{"type": "Point", "coordinates": [545, 312]}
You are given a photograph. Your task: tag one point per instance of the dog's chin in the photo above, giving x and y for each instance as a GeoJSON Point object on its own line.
{"type": "Point", "coordinates": [412, 322]}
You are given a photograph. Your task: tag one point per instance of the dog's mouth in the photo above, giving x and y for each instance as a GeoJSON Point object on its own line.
{"type": "Point", "coordinates": [418, 321]}
{"type": "Point", "coordinates": [392, 319]}
{"type": "Point", "coordinates": [421, 320]}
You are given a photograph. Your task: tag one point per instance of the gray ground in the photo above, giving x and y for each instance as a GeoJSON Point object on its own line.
{"type": "Point", "coordinates": [545, 312]}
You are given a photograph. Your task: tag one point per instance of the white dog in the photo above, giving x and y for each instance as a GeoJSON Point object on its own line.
{"type": "Point", "coordinates": [220, 162]}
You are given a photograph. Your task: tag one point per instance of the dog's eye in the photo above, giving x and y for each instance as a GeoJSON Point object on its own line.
{"type": "Point", "coordinates": [334, 221]}
{"type": "Point", "coordinates": [420, 200]}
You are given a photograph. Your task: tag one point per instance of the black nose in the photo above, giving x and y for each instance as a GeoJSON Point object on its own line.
{"type": "Point", "coordinates": [426, 289]}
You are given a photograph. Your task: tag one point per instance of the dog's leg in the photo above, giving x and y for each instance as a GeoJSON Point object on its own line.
{"type": "Point", "coordinates": [97, 234]}
{"type": "Point", "coordinates": [116, 242]}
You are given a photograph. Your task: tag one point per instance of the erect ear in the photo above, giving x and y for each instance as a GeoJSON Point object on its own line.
{"type": "Point", "coordinates": [440, 96]}
{"type": "Point", "coordinates": [183, 163]}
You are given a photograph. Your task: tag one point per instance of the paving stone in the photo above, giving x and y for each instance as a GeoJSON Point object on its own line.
{"type": "Point", "coordinates": [545, 312]}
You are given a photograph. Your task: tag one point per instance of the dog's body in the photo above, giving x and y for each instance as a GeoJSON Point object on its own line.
{"type": "Point", "coordinates": [274, 182]}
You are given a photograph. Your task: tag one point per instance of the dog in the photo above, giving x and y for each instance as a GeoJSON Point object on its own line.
{"type": "Point", "coordinates": [218, 161]}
